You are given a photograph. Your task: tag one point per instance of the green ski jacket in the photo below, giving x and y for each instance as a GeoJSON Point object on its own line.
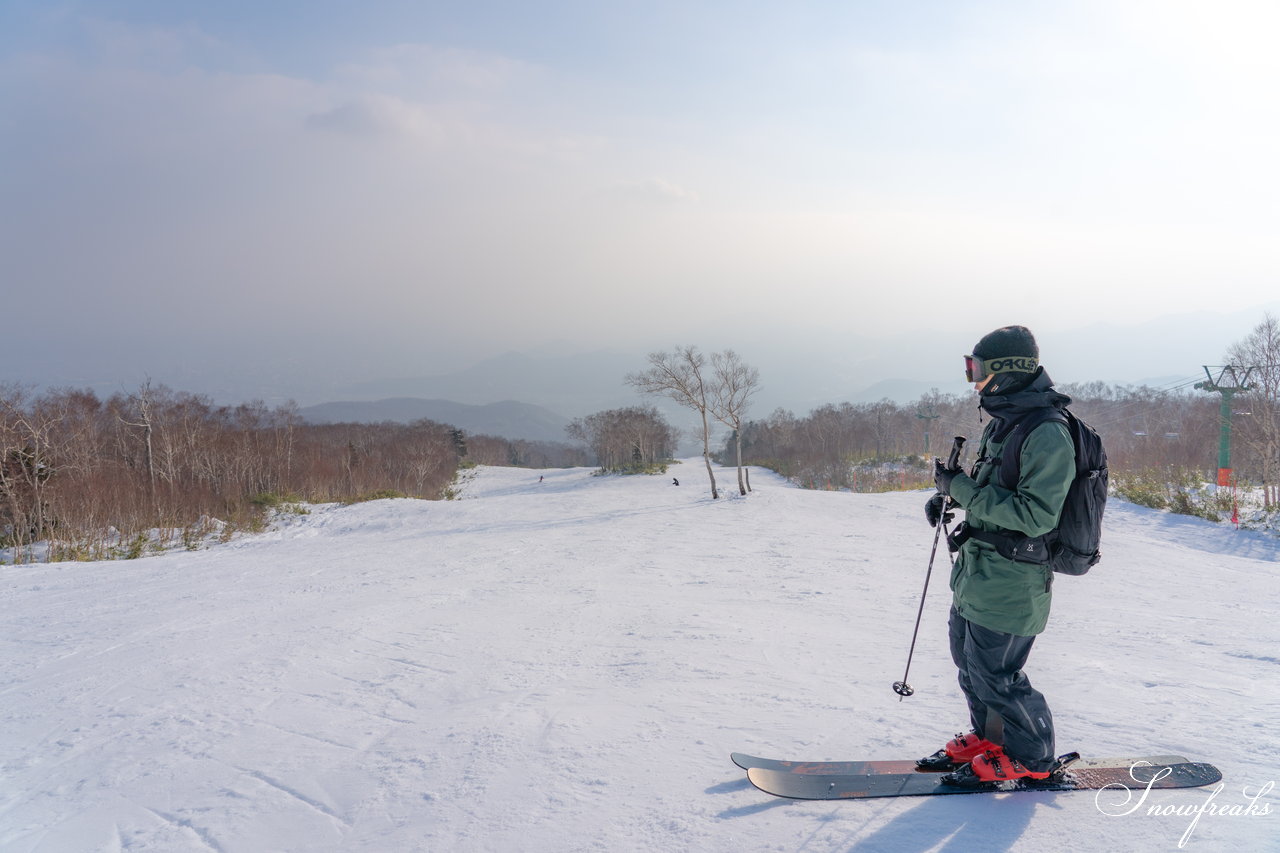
{"type": "Point", "coordinates": [993, 591]}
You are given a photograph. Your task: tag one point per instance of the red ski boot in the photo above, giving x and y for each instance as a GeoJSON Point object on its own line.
{"type": "Point", "coordinates": [960, 750]}
{"type": "Point", "coordinates": [994, 766]}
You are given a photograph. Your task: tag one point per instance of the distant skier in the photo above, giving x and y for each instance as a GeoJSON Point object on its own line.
{"type": "Point", "coordinates": [540, 478]}
{"type": "Point", "coordinates": [999, 605]}
{"type": "Point", "coordinates": [674, 481]}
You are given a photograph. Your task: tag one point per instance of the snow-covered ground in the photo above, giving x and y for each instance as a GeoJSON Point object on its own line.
{"type": "Point", "coordinates": [566, 665]}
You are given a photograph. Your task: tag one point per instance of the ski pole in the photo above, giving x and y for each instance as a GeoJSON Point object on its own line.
{"type": "Point", "coordinates": [902, 688]}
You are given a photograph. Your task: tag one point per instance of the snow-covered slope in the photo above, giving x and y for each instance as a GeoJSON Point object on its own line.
{"type": "Point", "coordinates": [567, 664]}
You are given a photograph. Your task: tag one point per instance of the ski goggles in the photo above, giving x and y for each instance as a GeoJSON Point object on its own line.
{"type": "Point", "coordinates": [977, 369]}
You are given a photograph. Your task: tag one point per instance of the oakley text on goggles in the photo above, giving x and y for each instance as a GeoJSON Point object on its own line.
{"type": "Point", "coordinates": [977, 369]}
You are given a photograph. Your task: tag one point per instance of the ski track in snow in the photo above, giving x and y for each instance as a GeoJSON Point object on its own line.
{"type": "Point", "coordinates": [566, 666]}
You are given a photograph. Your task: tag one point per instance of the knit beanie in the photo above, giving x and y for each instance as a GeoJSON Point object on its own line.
{"type": "Point", "coordinates": [1012, 355]}
{"type": "Point", "coordinates": [1008, 341]}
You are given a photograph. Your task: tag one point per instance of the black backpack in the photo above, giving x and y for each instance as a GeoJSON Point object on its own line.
{"type": "Point", "coordinates": [1072, 547]}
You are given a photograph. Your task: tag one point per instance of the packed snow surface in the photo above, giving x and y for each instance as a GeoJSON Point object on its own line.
{"type": "Point", "coordinates": [566, 664]}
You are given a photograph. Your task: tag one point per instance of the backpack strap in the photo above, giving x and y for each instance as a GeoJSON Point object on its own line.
{"type": "Point", "coordinates": [1019, 546]}
{"type": "Point", "coordinates": [1011, 451]}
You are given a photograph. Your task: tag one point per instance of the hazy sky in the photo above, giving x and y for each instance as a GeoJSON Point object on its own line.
{"type": "Point", "coordinates": [396, 188]}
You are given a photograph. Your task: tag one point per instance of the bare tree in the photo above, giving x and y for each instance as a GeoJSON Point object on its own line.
{"type": "Point", "coordinates": [26, 439]}
{"type": "Point", "coordinates": [735, 383]}
{"type": "Point", "coordinates": [1260, 433]}
{"type": "Point", "coordinates": [679, 376]}
{"type": "Point", "coordinates": [143, 404]}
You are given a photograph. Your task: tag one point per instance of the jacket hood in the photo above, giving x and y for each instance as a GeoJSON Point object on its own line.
{"type": "Point", "coordinates": [1039, 394]}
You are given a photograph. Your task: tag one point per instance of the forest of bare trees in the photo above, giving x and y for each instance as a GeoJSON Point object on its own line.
{"type": "Point", "coordinates": [1258, 430]}
{"type": "Point", "coordinates": [1143, 428]}
{"type": "Point", "coordinates": [95, 478]}
{"type": "Point", "coordinates": [635, 439]}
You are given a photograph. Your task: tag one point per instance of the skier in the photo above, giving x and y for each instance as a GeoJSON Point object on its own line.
{"type": "Point", "coordinates": [999, 605]}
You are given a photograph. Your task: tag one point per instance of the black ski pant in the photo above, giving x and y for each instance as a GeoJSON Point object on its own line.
{"type": "Point", "coordinates": [1003, 706]}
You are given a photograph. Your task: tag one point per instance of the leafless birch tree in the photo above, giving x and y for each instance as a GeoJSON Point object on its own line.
{"type": "Point", "coordinates": [680, 375]}
{"type": "Point", "coordinates": [143, 404]}
{"type": "Point", "coordinates": [734, 385]}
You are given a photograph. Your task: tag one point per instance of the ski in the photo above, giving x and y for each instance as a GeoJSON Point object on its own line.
{"type": "Point", "coordinates": [828, 768]}
{"type": "Point", "coordinates": [1156, 772]}
{"type": "Point", "coordinates": [860, 768]}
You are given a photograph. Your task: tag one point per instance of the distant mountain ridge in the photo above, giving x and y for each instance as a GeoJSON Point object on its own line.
{"type": "Point", "coordinates": [579, 384]}
{"type": "Point", "coordinates": [590, 382]}
{"type": "Point", "coordinates": [507, 419]}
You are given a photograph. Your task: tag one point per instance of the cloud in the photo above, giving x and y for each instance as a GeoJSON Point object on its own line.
{"type": "Point", "coordinates": [376, 115]}
{"type": "Point", "coordinates": [648, 191]}
{"type": "Point", "coordinates": [126, 45]}
{"type": "Point", "coordinates": [434, 72]}
{"type": "Point", "coordinates": [471, 105]}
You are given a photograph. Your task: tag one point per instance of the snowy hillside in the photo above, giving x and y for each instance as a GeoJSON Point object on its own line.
{"type": "Point", "coordinates": [567, 665]}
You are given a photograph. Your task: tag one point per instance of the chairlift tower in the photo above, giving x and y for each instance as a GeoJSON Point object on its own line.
{"type": "Point", "coordinates": [928, 419]}
{"type": "Point", "coordinates": [1231, 379]}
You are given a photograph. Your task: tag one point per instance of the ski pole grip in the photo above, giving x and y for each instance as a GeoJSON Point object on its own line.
{"type": "Point", "coordinates": [957, 443]}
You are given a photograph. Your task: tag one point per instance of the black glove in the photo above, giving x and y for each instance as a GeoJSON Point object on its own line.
{"type": "Point", "coordinates": [942, 476]}
{"type": "Point", "coordinates": [936, 508]}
